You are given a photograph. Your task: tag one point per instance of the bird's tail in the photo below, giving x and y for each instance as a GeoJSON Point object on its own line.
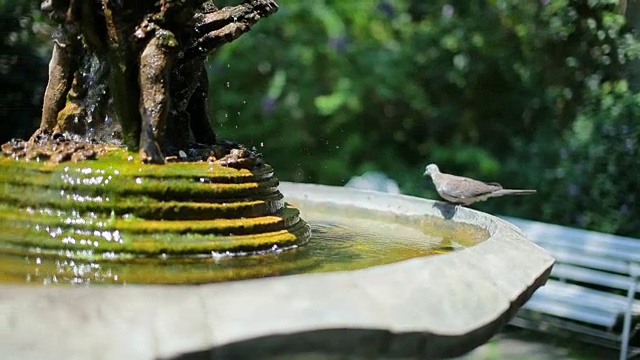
{"type": "Point", "coordinates": [513, 192]}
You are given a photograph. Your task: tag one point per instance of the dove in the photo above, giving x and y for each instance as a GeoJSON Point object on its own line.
{"type": "Point", "coordinates": [466, 191]}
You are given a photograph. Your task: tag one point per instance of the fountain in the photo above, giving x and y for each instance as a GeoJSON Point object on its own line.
{"type": "Point", "coordinates": [125, 182]}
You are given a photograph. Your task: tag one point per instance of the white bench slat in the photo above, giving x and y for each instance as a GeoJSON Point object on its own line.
{"type": "Point", "coordinates": [570, 311]}
{"type": "Point", "coordinates": [563, 234]}
{"type": "Point", "coordinates": [587, 297]}
{"type": "Point", "coordinates": [598, 263]}
{"type": "Point", "coordinates": [589, 276]}
{"type": "Point", "coordinates": [594, 249]}
{"type": "Point", "coordinates": [532, 322]}
{"type": "Point", "coordinates": [593, 260]}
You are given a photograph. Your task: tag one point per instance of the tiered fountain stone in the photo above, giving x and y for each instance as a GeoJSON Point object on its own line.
{"type": "Point", "coordinates": [134, 217]}
{"type": "Point", "coordinates": [130, 76]}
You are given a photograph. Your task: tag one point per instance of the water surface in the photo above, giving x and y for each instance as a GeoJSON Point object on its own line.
{"type": "Point", "coordinates": [342, 239]}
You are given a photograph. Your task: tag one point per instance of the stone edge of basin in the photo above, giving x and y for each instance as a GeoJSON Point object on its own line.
{"type": "Point", "coordinates": [439, 306]}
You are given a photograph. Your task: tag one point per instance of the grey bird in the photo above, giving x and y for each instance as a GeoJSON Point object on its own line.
{"type": "Point", "coordinates": [466, 191]}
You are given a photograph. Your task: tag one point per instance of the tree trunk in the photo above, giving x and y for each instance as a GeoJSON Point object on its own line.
{"type": "Point", "coordinates": [141, 64]}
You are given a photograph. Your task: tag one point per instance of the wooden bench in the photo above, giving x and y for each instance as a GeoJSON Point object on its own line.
{"type": "Point", "coordinates": [592, 290]}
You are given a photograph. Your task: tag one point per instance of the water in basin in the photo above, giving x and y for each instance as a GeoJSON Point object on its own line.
{"type": "Point", "coordinates": [343, 238]}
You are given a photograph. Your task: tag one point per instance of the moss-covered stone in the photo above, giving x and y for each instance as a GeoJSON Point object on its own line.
{"type": "Point", "coordinates": [115, 208]}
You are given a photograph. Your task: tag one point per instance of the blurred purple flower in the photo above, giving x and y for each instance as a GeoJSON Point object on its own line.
{"type": "Point", "coordinates": [624, 208]}
{"type": "Point", "coordinates": [609, 130]}
{"type": "Point", "coordinates": [545, 2]}
{"type": "Point", "coordinates": [268, 105]}
{"type": "Point", "coordinates": [582, 219]}
{"type": "Point", "coordinates": [386, 8]}
{"type": "Point", "coordinates": [338, 44]}
{"type": "Point", "coordinates": [447, 11]}
{"type": "Point", "coordinates": [630, 144]}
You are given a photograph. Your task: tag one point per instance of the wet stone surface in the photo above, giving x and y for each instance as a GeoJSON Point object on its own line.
{"type": "Point", "coordinates": [54, 149]}
{"type": "Point", "coordinates": [58, 148]}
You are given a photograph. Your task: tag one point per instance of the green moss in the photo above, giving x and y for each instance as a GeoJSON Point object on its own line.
{"type": "Point", "coordinates": [115, 209]}
{"type": "Point", "coordinates": [148, 206]}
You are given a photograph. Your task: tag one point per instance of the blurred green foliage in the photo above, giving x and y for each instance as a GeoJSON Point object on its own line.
{"type": "Point", "coordinates": [519, 92]}
{"type": "Point", "coordinates": [530, 93]}
{"type": "Point", "coordinates": [596, 182]}
{"type": "Point", "coordinates": [24, 44]}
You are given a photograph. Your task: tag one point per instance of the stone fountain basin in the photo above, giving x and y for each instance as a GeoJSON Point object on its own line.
{"type": "Point", "coordinates": [436, 306]}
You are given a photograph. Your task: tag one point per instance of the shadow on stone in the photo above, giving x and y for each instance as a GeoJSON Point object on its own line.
{"type": "Point", "coordinates": [347, 344]}
{"type": "Point", "coordinates": [447, 210]}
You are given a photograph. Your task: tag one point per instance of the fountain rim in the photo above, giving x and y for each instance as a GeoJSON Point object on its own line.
{"type": "Point", "coordinates": [395, 203]}
{"type": "Point", "coordinates": [411, 296]}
